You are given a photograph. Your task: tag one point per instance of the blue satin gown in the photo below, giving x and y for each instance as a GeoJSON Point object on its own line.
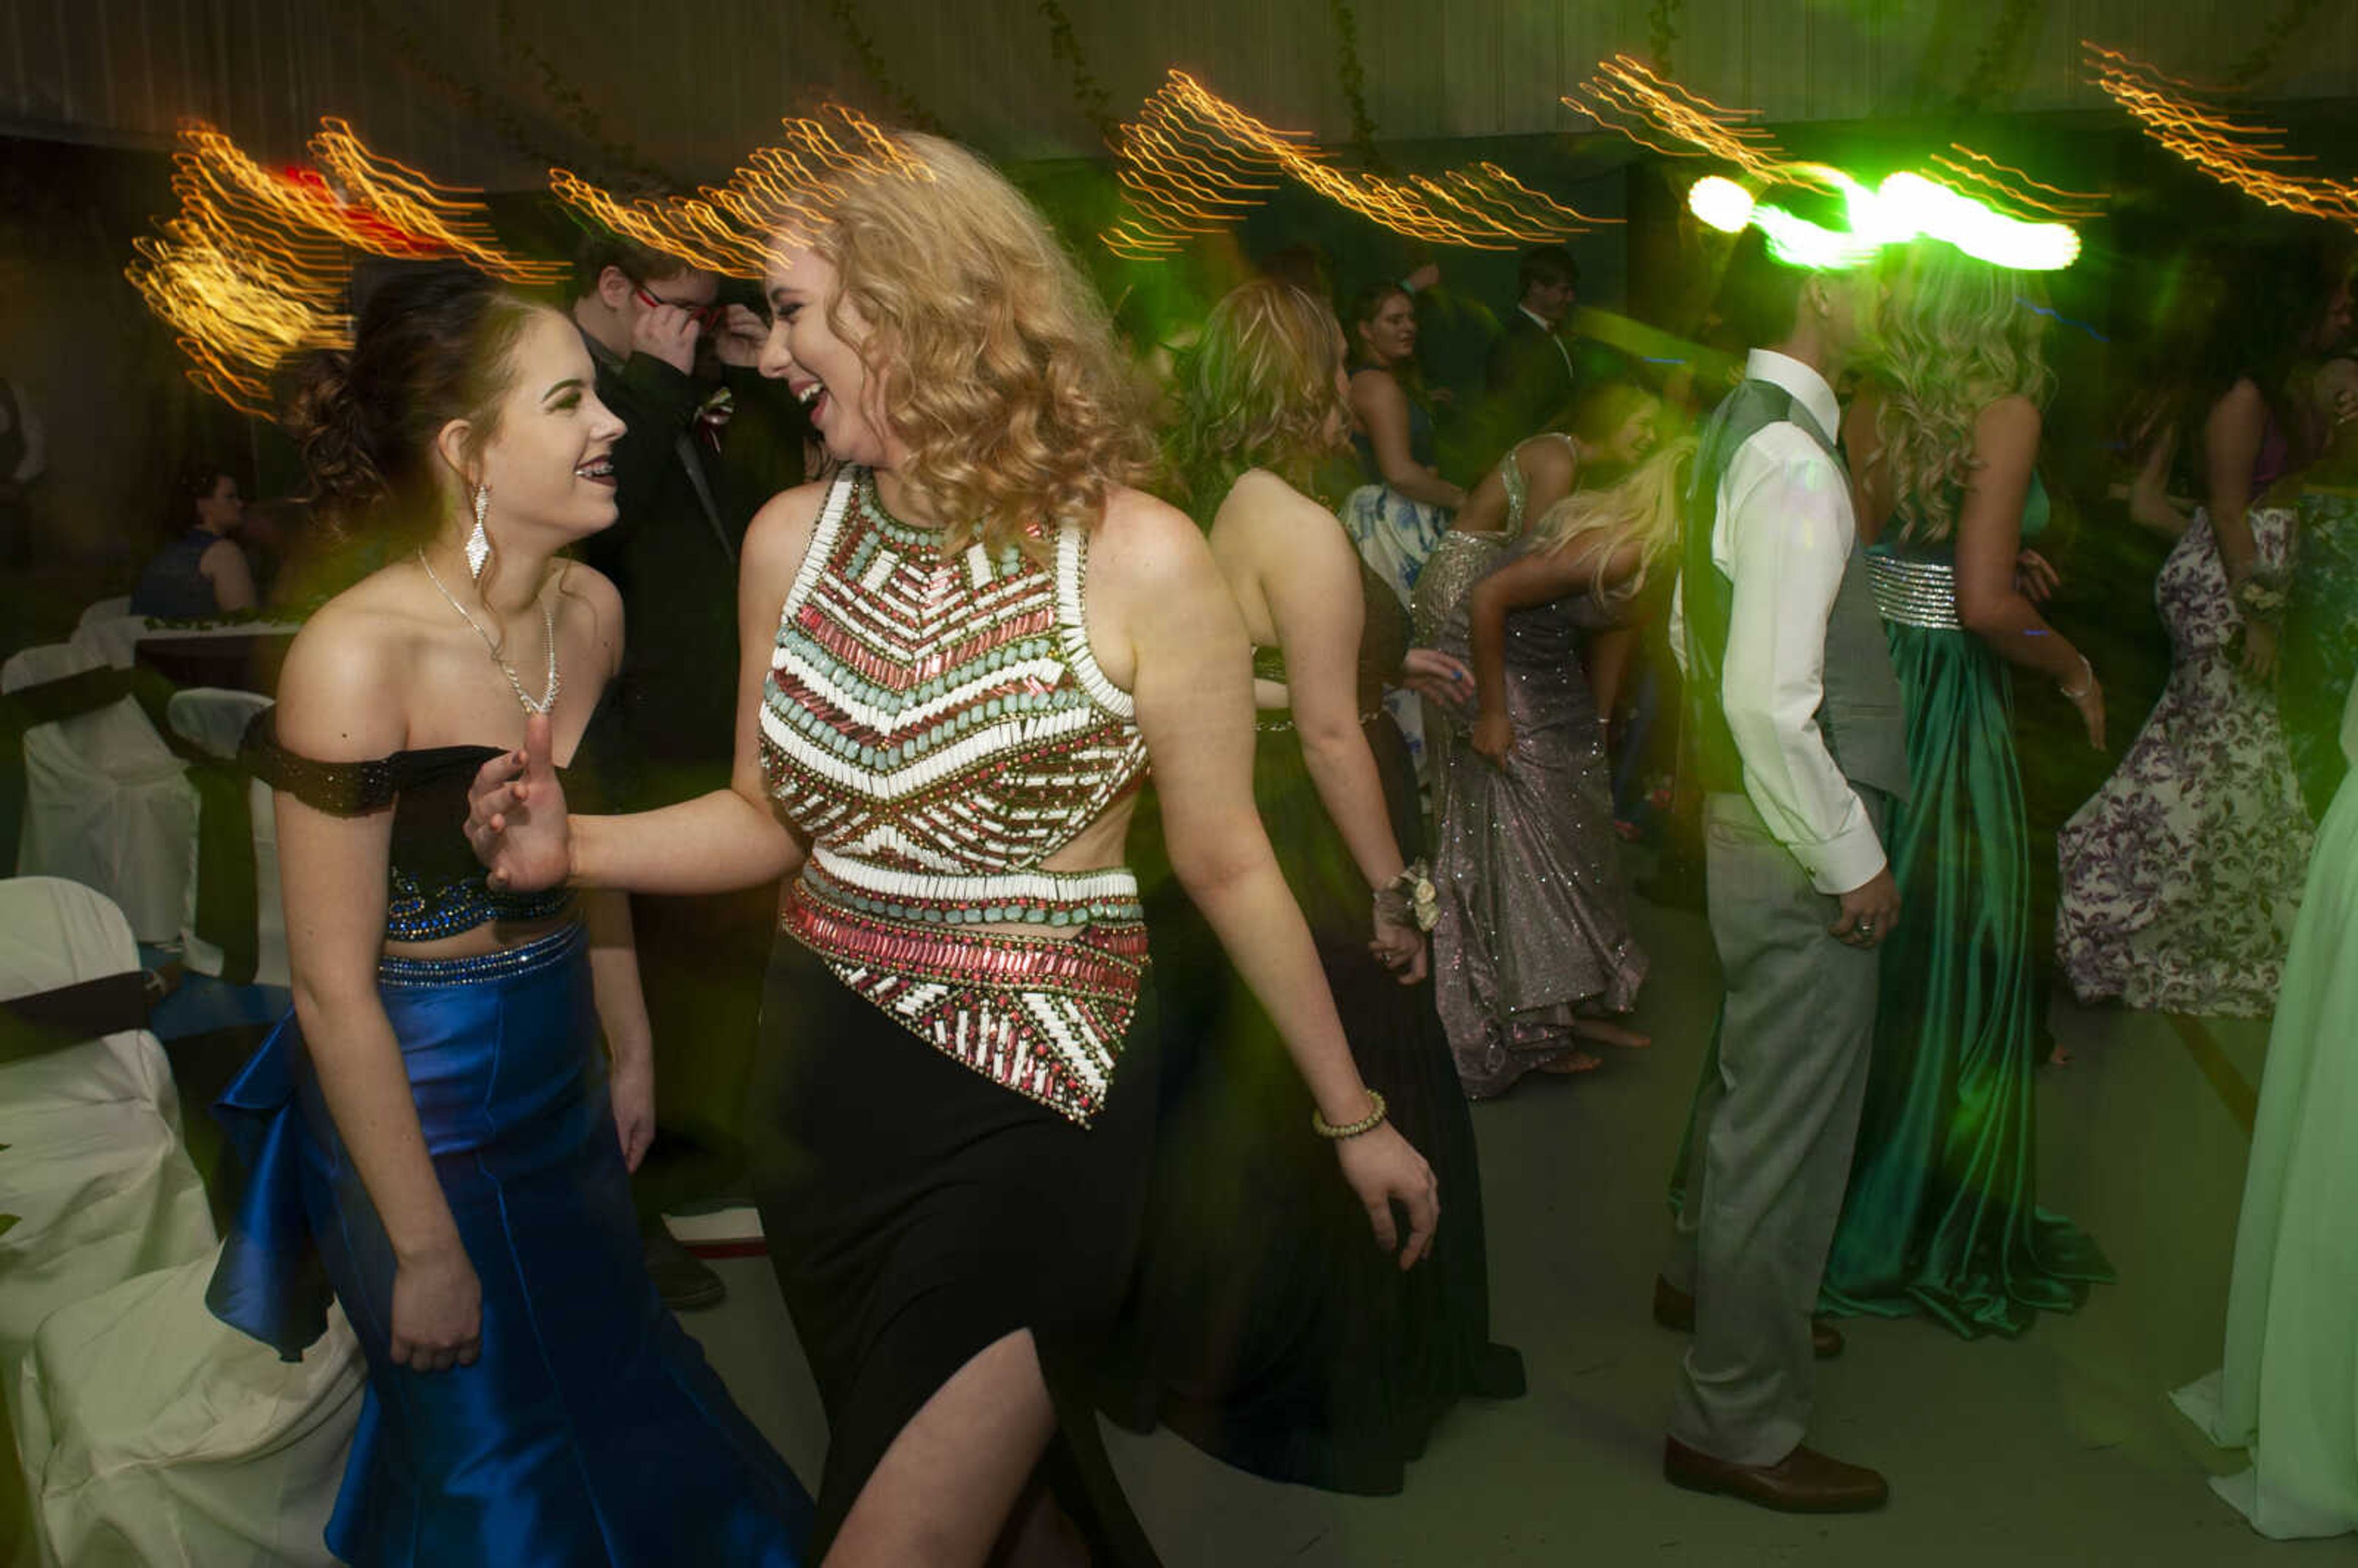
{"type": "Point", "coordinates": [590, 1430]}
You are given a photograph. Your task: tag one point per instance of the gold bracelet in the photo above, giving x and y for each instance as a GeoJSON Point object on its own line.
{"type": "Point", "coordinates": [1367, 1123]}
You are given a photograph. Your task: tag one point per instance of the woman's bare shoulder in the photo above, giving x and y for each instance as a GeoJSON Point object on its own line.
{"type": "Point", "coordinates": [341, 689]}
{"type": "Point", "coordinates": [1142, 533]}
{"type": "Point", "coordinates": [776, 541]}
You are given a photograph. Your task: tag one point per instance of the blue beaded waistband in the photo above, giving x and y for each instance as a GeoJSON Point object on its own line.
{"type": "Point", "coordinates": [414, 913]}
{"type": "Point", "coordinates": [540, 953]}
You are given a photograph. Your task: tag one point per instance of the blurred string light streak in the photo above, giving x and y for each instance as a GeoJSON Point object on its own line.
{"type": "Point", "coordinates": [2236, 153]}
{"type": "Point", "coordinates": [1193, 163]}
{"type": "Point", "coordinates": [1662, 117]}
{"type": "Point", "coordinates": [2007, 217]}
{"type": "Point", "coordinates": [1667, 117]}
{"type": "Point", "coordinates": [253, 267]}
{"type": "Point", "coordinates": [778, 199]}
{"type": "Point", "coordinates": [2013, 190]}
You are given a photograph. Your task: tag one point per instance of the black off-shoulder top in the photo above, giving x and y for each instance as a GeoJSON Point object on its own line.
{"type": "Point", "coordinates": [435, 887]}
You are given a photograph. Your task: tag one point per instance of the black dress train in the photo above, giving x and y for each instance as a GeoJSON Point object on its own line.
{"type": "Point", "coordinates": [1263, 1324]}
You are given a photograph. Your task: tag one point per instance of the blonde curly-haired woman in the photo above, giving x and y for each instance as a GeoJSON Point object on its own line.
{"type": "Point", "coordinates": [961, 657]}
{"type": "Point", "coordinates": [1943, 1216]}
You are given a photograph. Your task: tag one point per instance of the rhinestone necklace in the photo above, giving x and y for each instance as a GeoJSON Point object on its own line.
{"type": "Point", "coordinates": [548, 618]}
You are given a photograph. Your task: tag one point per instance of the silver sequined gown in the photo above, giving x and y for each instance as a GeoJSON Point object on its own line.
{"type": "Point", "coordinates": [1531, 930]}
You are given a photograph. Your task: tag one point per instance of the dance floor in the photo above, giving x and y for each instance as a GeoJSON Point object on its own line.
{"type": "Point", "coordinates": [2055, 1448]}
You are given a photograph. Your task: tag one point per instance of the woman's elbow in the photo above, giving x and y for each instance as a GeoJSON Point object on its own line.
{"type": "Point", "coordinates": [1328, 742]}
{"type": "Point", "coordinates": [321, 1004]}
{"type": "Point", "coordinates": [1983, 616]}
{"type": "Point", "coordinates": [1210, 869]}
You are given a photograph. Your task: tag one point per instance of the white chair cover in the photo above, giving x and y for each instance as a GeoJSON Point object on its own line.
{"type": "Point", "coordinates": [108, 610]}
{"type": "Point", "coordinates": [150, 1432]}
{"type": "Point", "coordinates": [106, 803]}
{"type": "Point", "coordinates": [155, 1433]}
{"type": "Point", "coordinates": [111, 639]}
{"type": "Point", "coordinates": [95, 1169]}
{"type": "Point", "coordinates": [214, 719]}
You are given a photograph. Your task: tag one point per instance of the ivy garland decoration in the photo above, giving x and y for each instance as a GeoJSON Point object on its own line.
{"type": "Point", "coordinates": [912, 112]}
{"type": "Point", "coordinates": [1065, 45]}
{"type": "Point", "coordinates": [1999, 65]}
{"type": "Point", "coordinates": [496, 112]}
{"type": "Point", "coordinates": [2263, 58]}
{"type": "Point", "coordinates": [469, 99]}
{"type": "Point", "coordinates": [571, 103]}
{"type": "Point", "coordinates": [1355, 82]}
{"type": "Point", "coordinates": [1662, 32]}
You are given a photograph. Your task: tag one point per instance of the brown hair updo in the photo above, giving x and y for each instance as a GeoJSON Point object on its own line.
{"type": "Point", "coordinates": [432, 343]}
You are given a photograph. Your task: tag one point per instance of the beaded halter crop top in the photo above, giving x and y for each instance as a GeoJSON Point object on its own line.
{"type": "Point", "coordinates": [939, 727]}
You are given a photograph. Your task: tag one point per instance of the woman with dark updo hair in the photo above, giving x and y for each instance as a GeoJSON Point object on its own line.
{"type": "Point", "coordinates": [437, 1137]}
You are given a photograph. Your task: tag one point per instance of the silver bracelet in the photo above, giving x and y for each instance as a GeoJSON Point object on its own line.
{"type": "Point", "coordinates": [2086, 669]}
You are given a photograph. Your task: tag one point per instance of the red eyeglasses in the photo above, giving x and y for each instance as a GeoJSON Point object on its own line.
{"type": "Point", "coordinates": [706, 316]}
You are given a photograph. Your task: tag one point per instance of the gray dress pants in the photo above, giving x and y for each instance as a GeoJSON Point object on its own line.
{"type": "Point", "coordinates": [1775, 1119]}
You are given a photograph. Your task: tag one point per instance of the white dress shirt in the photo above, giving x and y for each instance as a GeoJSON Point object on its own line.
{"type": "Point", "coordinates": [1783, 534]}
{"type": "Point", "coordinates": [1547, 327]}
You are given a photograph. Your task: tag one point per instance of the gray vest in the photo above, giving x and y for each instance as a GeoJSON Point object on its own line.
{"type": "Point", "coordinates": [1859, 714]}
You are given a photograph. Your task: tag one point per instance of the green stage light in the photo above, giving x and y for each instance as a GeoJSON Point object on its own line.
{"type": "Point", "coordinates": [1722, 203]}
{"type": "Point", "coordinates": [1904, 207]}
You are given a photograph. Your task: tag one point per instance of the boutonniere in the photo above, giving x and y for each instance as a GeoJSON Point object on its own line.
{"type": "Point", "coordinates": [715, 411]}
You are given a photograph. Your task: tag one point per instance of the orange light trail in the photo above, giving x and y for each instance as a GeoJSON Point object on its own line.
{"type": "Point", "coordinates": [2236, 153]}
{"type": "Point", "coordinates": [1659, 114]}
{"type": "Point", "coordinates": [1191, 163]}
{"type": "Point", "coordinates": [1664, 116]}
{"type": "Point", "coordinates": [779, 198]}
{"type": "Point", "coordinates": [377, 193]}
{"type": "Point", "coordinates": [2016, 189]}
{"type": "Point", "coordinates": [253, 267]}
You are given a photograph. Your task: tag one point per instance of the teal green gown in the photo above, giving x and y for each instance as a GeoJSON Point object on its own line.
{"type": "Point", "coordinates": [1943, 1215]}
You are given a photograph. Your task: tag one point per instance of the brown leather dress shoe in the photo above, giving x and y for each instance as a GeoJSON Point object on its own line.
{"type": "Point", "coordinates": [1804, 1482]}
{"type": "Point", "coordinates": [1673, 1308]}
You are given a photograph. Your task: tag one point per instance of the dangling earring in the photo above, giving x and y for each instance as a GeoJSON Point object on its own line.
{"type": "Point", "coordinates": [479, 543]}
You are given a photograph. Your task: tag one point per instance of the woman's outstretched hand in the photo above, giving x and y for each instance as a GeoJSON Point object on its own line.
{"type": "Point", "coordinates": [517, 820]}
{"type": "Point", "coordinates": [1383, 1169]}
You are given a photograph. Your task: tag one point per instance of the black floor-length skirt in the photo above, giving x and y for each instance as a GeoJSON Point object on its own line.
{"type": "Point", "coordinates": [918, 1213]}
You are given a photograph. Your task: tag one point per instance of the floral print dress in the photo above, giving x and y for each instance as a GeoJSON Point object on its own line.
{"type": "Point", "coordinates": [2181, 876]}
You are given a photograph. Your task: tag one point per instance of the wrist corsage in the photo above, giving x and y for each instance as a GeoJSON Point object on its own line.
{"type": "Point", "coordinates": [2260, 600]}
{"type": "Point", "coordinates": [1410, 898]}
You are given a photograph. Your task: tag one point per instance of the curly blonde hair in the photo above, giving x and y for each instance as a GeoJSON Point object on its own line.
{"type": "Point", "coordinates": [1644, 507]}
{"type": "Point", "coordinates": [995, 359]}
{"type": "Point", "coordinates": [1957, 335]}
{"type": "Point", "coordinates": [1259, 390]}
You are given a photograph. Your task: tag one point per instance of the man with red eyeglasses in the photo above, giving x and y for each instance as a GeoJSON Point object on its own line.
{"type": "Point", "coordinates": [709, 440]}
